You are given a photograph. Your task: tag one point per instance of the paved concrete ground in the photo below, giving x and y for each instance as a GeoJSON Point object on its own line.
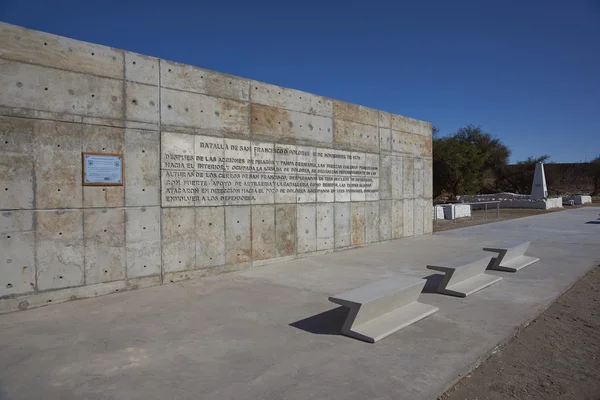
{"type": "Point", "coordinates": [270, 333]}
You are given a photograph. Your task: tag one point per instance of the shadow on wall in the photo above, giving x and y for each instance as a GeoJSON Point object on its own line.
{"type": "Point", "coordinates": [326, 323]}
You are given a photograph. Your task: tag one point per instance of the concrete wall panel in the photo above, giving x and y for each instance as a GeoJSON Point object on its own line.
{"type": "Point", "coordinates": [205, 114]}
{"type": "Point", "coordinates": [59, 249]}
{"type": "Point", "coordinates": [408, 164]}
{"type": "Point", "coordinates": [385, 120]}
{"type": "Point", "coordinates": [285, 229]}
{"type": "Point", "coordinates": [418, 214]}
{"type": "Point", "coordinates": [408, 228]}
{"type": "Point", "coordinates": [141, 103]}
{"type": "Point", "coordinates": [263, 232]}
{"type": "Point", "coordinates": [143, 243]}
{"type": "Point", "coordinates": [142, 168]}
{"type": "Point", "coordinates": [399, 218]}
{"type": "Point", "coordinates": [142, 69]}
{"type": "Point", "coordinates": [277, 123]}
{"type": "Point", "coordinates": [210, 236]}
{"type": "Point", "coordinates": [178, 239]}
{"type": "Point", "coordinates": [198, 80]}
{"type": "Point", "coordinates": [371, 221]}
{"type": "Point", "coordinates": [386, 176]}
{"type": "Point", "coordinates": [57, 160]}
{"type": "Point", "coordinates": [238, 244]}
{"type": "Point", "coordinates": [385, 220]}
{"type": "Point", "coordinates": [17, 252]}
{"type": "Point", "coordinates": [47, 89]}
{"type": "Point", "coordinates": [356, 136]}
{"type": "Point", "coordinates": [418, 178]}
{"type": "Point", "coordinates": [325, 231]}
{"type": "Point", "coordinates": [104, 245]}
{"type": "Point", "coordinates": [385, 139]}
{"type": "Point", "coordinates": [397, 177]}
{"type": "Point", "coordinates": [342, 225]}
{"type": "Point", "coordinates": [427, 178]}
{"type": "Point", "coordinates": [290, 99]}
{"type": "Point", "coordinates": [355, 113]}
{"type": "Point", "coordinates": [427, 217]}
{"type": "Point", "coordinates": [16, 163]}
{"type": "Point", "coordinates": [306, 221]}
{"type": "Point", "coordinates": [358, 223]}
{"type": "Point", "coordinates": [36, 47]}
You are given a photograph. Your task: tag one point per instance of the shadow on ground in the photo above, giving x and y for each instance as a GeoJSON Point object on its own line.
{"type": "Point", "coordinates": [593, 222]}
{"type": "Point", "coordinates": [326, 323]}
{"type": "Point", "coordinates": [433, 282]}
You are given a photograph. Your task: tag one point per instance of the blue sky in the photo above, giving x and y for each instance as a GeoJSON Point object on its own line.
{"type": "Point", "coordinates": [528, 71]}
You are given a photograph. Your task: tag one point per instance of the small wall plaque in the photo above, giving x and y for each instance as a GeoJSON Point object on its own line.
{"type": "Point", "coordinates": [102, 169]}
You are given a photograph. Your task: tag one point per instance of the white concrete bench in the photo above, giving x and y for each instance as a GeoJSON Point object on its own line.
{"type": "Point", "coordinates": [465, 275]}
{"type": "Point", "coordinates": [511, 256]}
{"type": "Point", "coordinates": [381, 308]}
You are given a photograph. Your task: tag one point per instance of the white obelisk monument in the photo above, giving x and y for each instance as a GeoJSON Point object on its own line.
{"type": "Point", "coordinates": [539, 190]}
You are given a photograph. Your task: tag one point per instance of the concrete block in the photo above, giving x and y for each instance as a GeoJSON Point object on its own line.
{"type": "Point", "coordinates": [143, 243]}
{"type": "Point", "coordinates": [418, 217]}
{"type": "Point", "coordinates": [428, 178]}
{"type": "Point", "coordinates": [404, 124]}
{"type": "Point", "coordinates": [408, 228]}
{"type": "Point", "coordinates": [141, 69]}
{"type": "Point", "coordinates": [17, 252]}
{"type": "Point", "coordinates": [177, 151]}
{"type": "Point", "coordinates": [397, 177]}
{"type": "Point", "coordinates": [285, 229]}
{"type": "Point", "coordinates": [465, 275]}
{"type": "Point", "coordinates": [416, 145]}
{"type": "Point", "coordinates": [511, 256]}
{"type": "Point", "coordinates": [59, 249]}
{"type": "Point", "coordinates": [325, 189]}
{"type": "Point", "coordinates": [42, 48]}
{"type": "Point", "coordinates": [178, 239]}
{"type": "Point", "coordinates": [358, 223]}
{"type": "Point", "coordinates": [401, 218]}
{"type": "Point", "coordinates": [386, 175]}
{"type": "Point", "coordinates": [263, 232]}
{"type": "Point", "coordinates": [426, 128]}
{"type": "Point", "coordinates": [398, 140]}
{"type": "Point", "coordinates": [385, 120]}
{"type": "Point", "coordinates": [263, 167]}
{"type": "Point", "coordinates": [238, 244]}
{"type": "Point", "coordinates": [342, 225]}
{"type": "Point", "coordinates": [16, 163]}
{"type": "Point", "coordinates": [408, 164]}
{"type": "Point", "coordinates": [357, 189]}
{"type": "Point", "coordinates": [385, 139]}
{"type": "Point", "coordinates": [277, 123]}
{"type": "Point", "coordinates": [103, 139]}
{"type": "Point", "coordinates": [104, 244]}
{"type": "Point", "coordinates": [204, 114]}
{"type": "Point", "coordinates": [356, 136]}
{"type": "Point", "coordinates": [381, 308]}
{"type": "Point", "coordinates": [428, 217]}
{"type": "Point", "coordinates": [210, 236]}
{"type": "Point", "coordinates": [418, 178]}
{"type": "Point", "coordinates": [306, 174]}
{"type": "Point", "coordinates": [385, 220]}
{"type": "Point", "coordinates": [238, 150]}
{"type": "Point", "coordinates": [306, 228]}
{"type": "Point", "coordinates": [141, 102]}
{"type": "Point", "coordinates": [203, 81]}
{"type": "Point", "coordinates": [285, 158]}
{"type": "Point", "coordinates": [290, 99]}
{"type": "Point", "coordinates": [355, 113]}
{"type": "Point", "coordinates": [325, 230]}
{"type": "Point", "coordinates": [57, 160]}
{"type": "Point", "coordinates": [371, 221]}
{"type": "Point", "coordinates": [142, 168]}
{"type": "Point", "coordinates": [45, 89]}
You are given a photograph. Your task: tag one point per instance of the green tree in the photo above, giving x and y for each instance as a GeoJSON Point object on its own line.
{"type": "Point", "coordinates": [466, 162]}
{"type": "Point", "coordinates": [596, 165]}
{"type": "Point", "coordinates": [519, 177]}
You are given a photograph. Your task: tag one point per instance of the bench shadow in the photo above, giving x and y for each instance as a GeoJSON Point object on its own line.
{"type": "Point", "coordinates": [433, 282]}
{"type": "Point", "coordinates": [593, 222]}
{"type": "Point", "coordinates": [326, 323]}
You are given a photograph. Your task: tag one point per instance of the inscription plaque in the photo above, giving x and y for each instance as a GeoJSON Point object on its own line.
{"type": "Point", "coordinates": [101, 169]}
{"type": "Point", "coordinates": [207, 171]}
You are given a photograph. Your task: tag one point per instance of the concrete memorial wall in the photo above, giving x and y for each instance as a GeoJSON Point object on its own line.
{"type": "Point", "coordinates": [190, 172]}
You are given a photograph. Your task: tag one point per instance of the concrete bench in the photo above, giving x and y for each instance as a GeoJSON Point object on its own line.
{"type": "Point", "coordinates": [511, 256]}
{"type": "Point", "coordinates": [465, 275]}
{"type": "Point", "coordinates": [381, 308]}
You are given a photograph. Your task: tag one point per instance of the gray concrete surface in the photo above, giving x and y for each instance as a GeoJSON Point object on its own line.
{"type": "Point", "coordinates": [271, 333]}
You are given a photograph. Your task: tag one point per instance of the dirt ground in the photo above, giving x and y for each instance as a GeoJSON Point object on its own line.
{"type": "Point", "coordinates": [557, 356]}
{"type": "Point", "coordinates": [479, 217]}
